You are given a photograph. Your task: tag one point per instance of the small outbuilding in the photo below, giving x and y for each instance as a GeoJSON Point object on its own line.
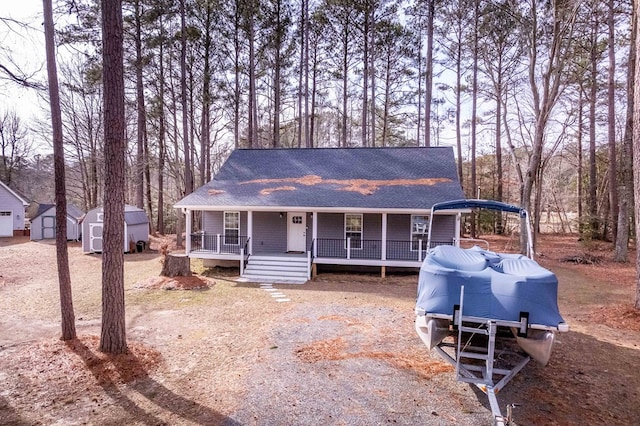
{"type": "Point", "coordinates": [43, 223]}
{"type": "Point", "coordinates": [12, 211]}
{"type": "Point", "coordinates": [136, 229]}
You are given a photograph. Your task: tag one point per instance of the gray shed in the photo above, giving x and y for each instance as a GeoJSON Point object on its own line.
{"type": "Point", "coordinates": [43, 223]}
{"type": "Point", "coordinates": [136, 229]}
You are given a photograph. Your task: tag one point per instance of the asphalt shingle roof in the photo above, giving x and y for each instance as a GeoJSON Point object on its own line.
{"type": "Point", "coordinates": [368, 178]}
{"type": "Point", "coordinates": [72, 210]}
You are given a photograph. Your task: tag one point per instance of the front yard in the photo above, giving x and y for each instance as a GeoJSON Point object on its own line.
{"type": "Point", "coordinates": [341, 350]}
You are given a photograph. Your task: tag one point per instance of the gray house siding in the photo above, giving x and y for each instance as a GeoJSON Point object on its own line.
{"type": "Point", "coordinates": [212, 226]}
{"type": "Point", "coordinates": [444, 229]}
{"type": "Point", "coordinates": [212, 222]}
{"type": "Point", "coordinates": [269, 233]}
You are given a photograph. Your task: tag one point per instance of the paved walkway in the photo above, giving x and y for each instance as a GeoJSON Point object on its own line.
{"type": "Point", "coordinates": [277, 295]}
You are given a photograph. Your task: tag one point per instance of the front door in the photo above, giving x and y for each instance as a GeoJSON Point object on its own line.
{"type": "Point", "coordinates": [296, 232]}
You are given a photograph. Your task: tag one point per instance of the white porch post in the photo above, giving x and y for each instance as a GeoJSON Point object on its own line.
{"type": "Point", "coordinates": [384, 236]}
{"type": "Point", "coordinates": [456, 237]}
{"type": "Point", "coordinates": [187, 249]}
{"type": "Point", "coordinates": [349, 248]}
{"type": "Point", "coordinates": [314, 233]}
{"type": "Point", "coordinates": [250, 231]}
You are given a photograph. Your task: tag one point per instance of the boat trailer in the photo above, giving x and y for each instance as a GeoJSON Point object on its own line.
{"type": "Point", "coordinates": [474, 352]}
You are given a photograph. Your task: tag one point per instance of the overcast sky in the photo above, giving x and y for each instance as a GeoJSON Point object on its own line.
{"type": "Point", "coordinates": [22, 51]}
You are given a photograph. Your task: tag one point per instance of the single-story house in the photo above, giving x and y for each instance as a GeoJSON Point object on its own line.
{"type": "Point", "coordinates": [43, 222]}
{"type": "Point", "coordinates": [277, 213]}
{"type": "Point", "coordinates": [136, 229]}
{"type": "Point", "coordinates": [12, 211]}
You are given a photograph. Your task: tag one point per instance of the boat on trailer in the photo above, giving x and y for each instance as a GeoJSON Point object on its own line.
{"type": "Point", "coordinates": [486, 313]}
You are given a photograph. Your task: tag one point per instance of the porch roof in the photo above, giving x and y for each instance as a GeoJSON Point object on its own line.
{"type": "Point", "coordinates": [365, 178]}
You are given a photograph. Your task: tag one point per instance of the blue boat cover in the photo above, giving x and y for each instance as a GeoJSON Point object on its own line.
{"type": "Point", "coordinates": [496, 285]}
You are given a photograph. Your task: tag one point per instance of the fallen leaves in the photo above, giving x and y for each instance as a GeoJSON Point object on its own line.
{"type": "Point", "coordinates": [176, 283]}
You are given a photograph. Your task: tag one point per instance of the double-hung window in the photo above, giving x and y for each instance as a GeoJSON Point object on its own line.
{"type": "Point", "coordinates": [353, 229]}
{"type": "Point", "coordinates": [419, 231]}
{"type": "Point", "coordinates": [231, 227]}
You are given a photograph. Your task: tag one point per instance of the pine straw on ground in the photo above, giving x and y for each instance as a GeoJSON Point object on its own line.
{"type": "Point", "coordinates": [176, 283]}
{"type": "Point", "coordinates": [621, 316]}
{"type": "Point", "coordinates": [337, 349]}
{"type": "Point", "coordinates": [80, 361]}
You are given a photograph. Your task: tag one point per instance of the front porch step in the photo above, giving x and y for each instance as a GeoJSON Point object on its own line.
{"type": "Point", "coordinates": [276, 269]}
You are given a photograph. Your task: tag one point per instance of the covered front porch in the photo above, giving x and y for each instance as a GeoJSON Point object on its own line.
{"type": "Point", "coordinates": [381, 239]}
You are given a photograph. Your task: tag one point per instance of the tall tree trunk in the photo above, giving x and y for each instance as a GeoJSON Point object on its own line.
{"type": "Point", "coordinates": [474, 110]}
{"type": "Point", "coordinates": [236, 73]}
{"type": "Point", "coordinates": [580, 159]}
{"type": "Point", "coordinates": [305, 45]}
{"type": "Point", "coordinates": [140, 107]}
{"type": "Point", "coordinates": [499, 195]}
{"type": "Point", "coordinates": [419, 53]}
{"type": "Point", "coordinates": [372, 73]}
{"type": "Point", "coordinates": [113, 334]}
{"type": "Point", "coordinates": [161, 131]}
{"type": "Point", "coordinates": [301, 70]}
{"type": "Point", "coordinates": [64, 276]}
{"type": "Point", "coordinates": [188, 171]}
{"type": "Point", "coordinates": [277, 78]}
{"type": "Point", "coordinates": [593, 177]}
{"type": "Point", "coordinates": [365, 76]}
{"type": "Point", "coordinates": [345, 79]}
{"type": "Point", "coordinates": [428, 86]}
{"type": "Point", "coordinates": [613, 174]}
{"type": "Point", "coordinates": [458, 108]}
{"type": "Point", "coordinates": [636, 148]}
{"type": "Point", "coordinates": [626, 166]}
{"type": "Point", "coordinates": [314, 87]}
{"type": "Point", "coordinates": [387, 96]}
{"type": "Point", "coordinates": [252, 130]}
{"type": "Point", "coordinates": [205, 119]}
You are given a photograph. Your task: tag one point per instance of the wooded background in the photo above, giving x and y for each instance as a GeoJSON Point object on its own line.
{"type": "Point", "coordinates": [535, 97]}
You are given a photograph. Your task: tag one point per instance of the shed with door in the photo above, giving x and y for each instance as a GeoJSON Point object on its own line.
{"type": "Point", "coordinates": [136, 229]}
{"type": "Point", "coordinates": [43, 223]}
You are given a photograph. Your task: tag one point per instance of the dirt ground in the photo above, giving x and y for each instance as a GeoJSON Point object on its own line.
{"type": "Point", "coordinates": [341, 351]}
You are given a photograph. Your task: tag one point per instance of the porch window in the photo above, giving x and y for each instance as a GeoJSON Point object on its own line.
{"type": "Point", "coordinates": [231, 227]}
{"type": "Point", "coordinates": [419, 231]}
{"type": "Point", "coordinates": [353, 230]}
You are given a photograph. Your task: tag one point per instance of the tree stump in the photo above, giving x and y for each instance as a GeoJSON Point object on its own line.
{"type": "Point", "coordinates": [176, 265]}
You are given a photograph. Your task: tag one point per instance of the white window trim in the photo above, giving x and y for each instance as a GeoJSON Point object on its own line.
{"type": "Point", "coordinates": [425, 233]}
{"type": "Point", "coordinates": [224, 227]}
{"type": "Point", "coordinates": [361, 229]}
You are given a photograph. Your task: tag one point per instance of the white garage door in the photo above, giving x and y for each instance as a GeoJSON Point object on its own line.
{"type": "Point", "coordinates": [6, 224]}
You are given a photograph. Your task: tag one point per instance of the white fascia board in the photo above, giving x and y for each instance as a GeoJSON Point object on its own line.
{"type": "Point", "coordinates": [317, 209]}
